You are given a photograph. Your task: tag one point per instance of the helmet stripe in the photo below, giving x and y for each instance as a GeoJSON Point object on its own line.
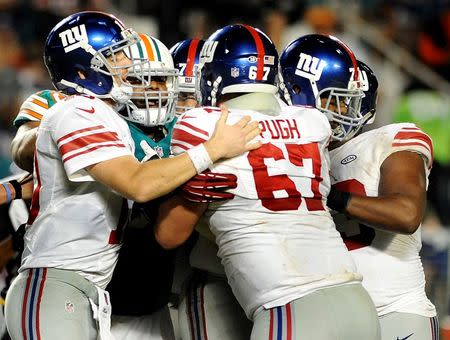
{"type": "Point", "coordinates": [351, 54]}
{"type": "Point", "coordinates": [191, 57]}
{"type": "Point", "coordinates": [158, 52]}
{"type": "Point", "coordinates": [148, 47]}
{"type": "Point", "coordinates": [141, 52]}
{"type": "Point", "coordinates": [260, 50]}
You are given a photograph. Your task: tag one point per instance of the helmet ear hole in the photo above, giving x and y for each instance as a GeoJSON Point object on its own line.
{"type": "Point", "coordinates": [296, 89]}
{"type": "Point", "coordinates": [82, 73]}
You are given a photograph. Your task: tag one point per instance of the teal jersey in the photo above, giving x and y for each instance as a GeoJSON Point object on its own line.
{"type": "Point", "coordinates": [36, 105]}
{"type": "Point", "coordinates": [162, 147]}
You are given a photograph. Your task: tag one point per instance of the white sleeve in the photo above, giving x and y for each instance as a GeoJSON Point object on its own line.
{"type": "Point", "coordinates": [189, 132]}
{"type": "Point", "coordinates": [408, 137]}
{"type": "Point", "coordinates": [83, 139]}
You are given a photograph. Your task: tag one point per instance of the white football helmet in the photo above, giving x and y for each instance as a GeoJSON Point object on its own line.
{"type": "Point", "coordinates": [150, 105]}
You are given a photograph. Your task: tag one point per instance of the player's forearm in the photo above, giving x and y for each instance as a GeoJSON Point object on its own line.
{"type": "Point", "coordinates": [176, 221]}
{"type": "Point", "coordinates": [159, 177]}
{"type": "Point", "coordinates": [394, 213]}
{"type": "Point", "coordinates": [16, 188]}
{"type": "Point", "coordinates": [142, 182]}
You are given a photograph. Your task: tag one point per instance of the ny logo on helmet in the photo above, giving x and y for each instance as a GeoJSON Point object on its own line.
{"type": "Point", "coordinates": [310, 67]}
{"type": "Point", "coordinates": [72, 38]}
{"type": "Point", "coordinates": [207, 52]}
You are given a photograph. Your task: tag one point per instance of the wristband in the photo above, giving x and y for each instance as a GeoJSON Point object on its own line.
{"type": "Point", "coordinates": [17, 188]}
{"type": "Point", "coordinates": [8, 192]}
{"type": "Point", "coordinates": [200, 158]}
{"type": "Point", "coordinates": [338, 200]}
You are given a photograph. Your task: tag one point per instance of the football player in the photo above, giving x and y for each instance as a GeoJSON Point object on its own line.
{"type": "Point", "coordinates": [284, 259]}
{"type": "Point", "coordinates": [207, 307]}
{"type": "Point", "coordinates": [83, 166]}
{"type": "Point", "coordinates": [379, 180]}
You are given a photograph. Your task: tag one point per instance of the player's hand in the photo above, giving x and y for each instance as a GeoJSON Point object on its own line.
{"type": "Point", "coordinates": [229, 141]}
{"type": "Point", "coordinates": [338, 200]}
{"type": "Point", "coordinates": [209, 187]}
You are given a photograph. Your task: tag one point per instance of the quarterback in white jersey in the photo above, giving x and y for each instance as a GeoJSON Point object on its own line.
{"type": "Point", "coordinates": [92, 133]}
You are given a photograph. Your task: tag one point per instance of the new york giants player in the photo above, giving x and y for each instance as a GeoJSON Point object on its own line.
{"type": "Point", "coordinates": [207, 307]}
{"type": "Point", "coordinates": [379, 187]}
{"type": "Point", "coordinates": [284, 259]}
{"type": "Point", "coordinates": [83, 166]}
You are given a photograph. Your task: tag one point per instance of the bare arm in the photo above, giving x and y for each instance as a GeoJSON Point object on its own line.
{"type": "Point", "coordinates": [23, 145]}
{"type": "Point", "coordinates": [176, 220]}
{"type": "Point", "coordinates": [16, 187]}
{"type": "Point", "coordinates": [142, 182]}
{"type": "Point", "coordinates": [401, 200]}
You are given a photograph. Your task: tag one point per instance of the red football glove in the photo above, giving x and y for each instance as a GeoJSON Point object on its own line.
{"type": "Point", "coordinates": [209, 187]}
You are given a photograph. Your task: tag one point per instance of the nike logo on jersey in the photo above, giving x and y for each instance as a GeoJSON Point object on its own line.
{"type": "Point", "coordinates": [348, 159]}
{"type": "Point", "coordinates": [92, 110]}
{"type": "Point", "coordinates": [405, 338]}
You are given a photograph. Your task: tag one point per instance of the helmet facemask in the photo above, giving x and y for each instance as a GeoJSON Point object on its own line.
{"type": "Point", "coordinates": [154, 83]}
{"type": "Point", "coordinates": [188, 92]}
{"type": "Point", "coordinates": [108, 61]}
{"type": "Point", "coordinates": [152, 105]}
{"type": "Point", "coordinates": [342, 108]}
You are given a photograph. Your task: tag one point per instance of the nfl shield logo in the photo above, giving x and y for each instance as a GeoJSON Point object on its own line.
{"type": "Point", "coordinates": [159, 151]}
{"type": "Point", "coordinates": [235, 72]}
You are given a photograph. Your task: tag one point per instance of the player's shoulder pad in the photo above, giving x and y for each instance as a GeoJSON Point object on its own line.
{"type": "Point", "coordinates": [191, 129]}
{"type": "Point", "coordinates": [314, 121]}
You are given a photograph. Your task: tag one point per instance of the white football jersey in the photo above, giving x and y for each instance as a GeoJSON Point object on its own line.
{"type": "Point", "coordinates": [74, 221]}
{"type": "Point", "coordinates": [389, 262]}
{"type": "Point", "coordinates": [277, 240]}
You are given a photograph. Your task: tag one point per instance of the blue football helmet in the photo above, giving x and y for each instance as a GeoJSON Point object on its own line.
{"type": "Point", "coordinates": [370, 87]}
{"type": "Point", "coordinates": [154, 81]}
{"type": "Point", "coordinates": [321, 71]}
{"type": "Point", "coordinates": [236, 59]}
{"type": "Point", "coordinates": [186, 56]}
{"type": "Point", "coordinates": [89, 43]}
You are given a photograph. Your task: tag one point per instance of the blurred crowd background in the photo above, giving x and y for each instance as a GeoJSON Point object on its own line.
{"type": "Point", "coordinates": [406, 42]}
